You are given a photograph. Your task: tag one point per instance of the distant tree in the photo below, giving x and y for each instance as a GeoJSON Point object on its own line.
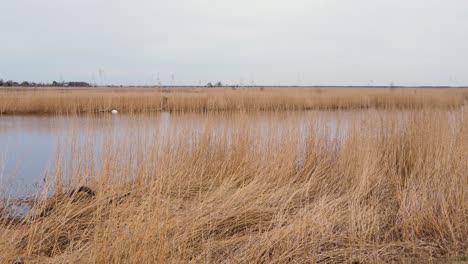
{"type": "Point", "coordinates": [54, 83]}
{"type": "Point", "coordinates": [24, 83]}
{"type": "Point", "coordinates": [79, 84]}
{"type": "Point", "coordinates": [1, 82]}
{"type": "Point", "coordinates": [9, 83]}
{"type": "Point", "coordinates": [219, 84]}
{"type": "Point", "coordinates": [209, 84]}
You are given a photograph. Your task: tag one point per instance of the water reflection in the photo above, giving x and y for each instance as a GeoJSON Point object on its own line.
{"type": "Point", "coordinates": [30, 145]}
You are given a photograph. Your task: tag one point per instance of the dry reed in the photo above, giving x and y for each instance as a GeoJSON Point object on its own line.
{"type": "Point", "coordinates": [138, 100]}
{"type": "Point", "coordinates": [393, 188]}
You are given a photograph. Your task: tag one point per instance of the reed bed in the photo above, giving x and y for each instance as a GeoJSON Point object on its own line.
{"type": "Point", "coordinates": [391, 188]}
{"type": "Point", "coordinates": [141, 100]}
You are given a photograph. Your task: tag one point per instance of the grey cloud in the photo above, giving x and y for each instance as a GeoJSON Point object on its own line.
{"type": "Point", "coordinates": [418, 42]}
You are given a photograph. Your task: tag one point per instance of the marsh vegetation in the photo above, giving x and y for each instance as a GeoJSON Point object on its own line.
{"type": "Point", "coordinates": [150, 100]}
{"type": "Point", "coordinates": [389, 184]}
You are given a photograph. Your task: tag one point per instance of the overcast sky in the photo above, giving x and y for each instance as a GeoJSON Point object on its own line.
{"type": "Point", "coordinates": [294, 42]}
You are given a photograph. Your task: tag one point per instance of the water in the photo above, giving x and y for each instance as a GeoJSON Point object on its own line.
{"type": "Point", "coordinates": [30, 146]}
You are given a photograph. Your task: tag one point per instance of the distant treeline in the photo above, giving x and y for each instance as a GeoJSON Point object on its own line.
{"type": "Point", "coordinates": [11, 83]}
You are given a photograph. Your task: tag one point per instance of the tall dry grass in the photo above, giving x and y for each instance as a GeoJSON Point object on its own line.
{"type": "Point", "coordinates": [63, 101]}
{"type": "Point", "coordinates": [392, 188]}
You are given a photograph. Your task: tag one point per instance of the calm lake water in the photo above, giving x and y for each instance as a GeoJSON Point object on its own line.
{"type": "Point", "coordinates": [31, 145]}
